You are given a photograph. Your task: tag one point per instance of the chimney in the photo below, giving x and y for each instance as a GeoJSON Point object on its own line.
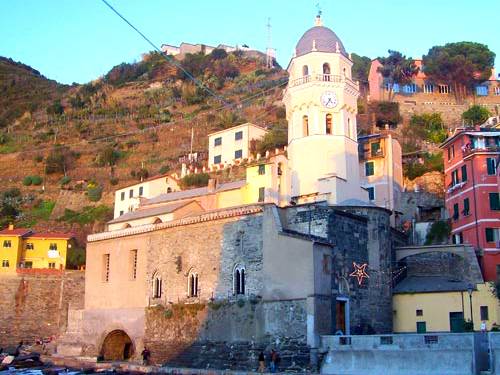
{"type": "Point", "coordinates": [212, 185]}
{"type": "Point", "coordinates": [11, 226]}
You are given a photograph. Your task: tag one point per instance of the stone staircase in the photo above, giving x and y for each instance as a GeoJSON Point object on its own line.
{"type": "Point", "coordinates": [69, 344]}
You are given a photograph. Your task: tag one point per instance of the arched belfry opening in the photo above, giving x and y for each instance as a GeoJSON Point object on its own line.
{"type": "Point", "coordinates": [117, 346]}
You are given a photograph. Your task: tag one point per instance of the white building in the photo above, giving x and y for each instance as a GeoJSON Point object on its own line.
{"type": "Point", "coordinates": [321, 106]}
{"type": "Point", "coordinates": [127, 199]}
{"type": "Point", "coordinates": [231, 144]}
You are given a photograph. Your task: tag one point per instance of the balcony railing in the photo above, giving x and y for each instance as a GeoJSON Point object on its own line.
{"type": "Point", "coordinates": [469, 149]}
{"type": "Point", "coordinates": [334, 78]}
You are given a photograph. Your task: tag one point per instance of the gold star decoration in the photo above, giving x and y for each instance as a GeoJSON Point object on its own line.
{"type": "Point", "coordinates": [359, 272]}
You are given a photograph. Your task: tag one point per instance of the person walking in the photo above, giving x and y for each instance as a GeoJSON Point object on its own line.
{"type": "Point", "coordinates": [262, 362]}
{"type": "Point", "coordinates": [145, 356]}
{"type": "Point", "coordinates": [274, 357]}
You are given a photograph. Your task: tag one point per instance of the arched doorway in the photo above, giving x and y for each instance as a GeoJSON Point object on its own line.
{"type": "Point", "coordinates": [117, 346]}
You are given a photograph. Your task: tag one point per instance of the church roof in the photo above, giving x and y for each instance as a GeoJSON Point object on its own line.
{"type": "Point", "coordinates": [322, 38]}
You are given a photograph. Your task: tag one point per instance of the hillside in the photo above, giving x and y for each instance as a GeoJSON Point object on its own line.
{"type": "Point", "coordinates": [77, 144]}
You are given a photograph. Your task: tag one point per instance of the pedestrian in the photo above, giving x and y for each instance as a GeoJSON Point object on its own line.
{"type": "Point", "coordinates": [483, 326]}
{"type": "Point", "coordinates": [273, 361]}
{"type": "Point", "coordinates": [262, 362]}
{"type": "Point", "coordinates": [145, 356]}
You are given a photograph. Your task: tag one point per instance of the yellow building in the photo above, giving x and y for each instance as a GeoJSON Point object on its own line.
{"type": "Point", "coordinates": [22, 248]}
{"type": "Point", "coordinates": [437, 304]}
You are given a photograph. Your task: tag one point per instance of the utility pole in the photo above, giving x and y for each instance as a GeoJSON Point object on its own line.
{"type": "Point", "coordinates": [270, 51]}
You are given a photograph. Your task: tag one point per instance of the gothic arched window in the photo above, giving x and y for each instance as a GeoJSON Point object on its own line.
{"type": "Point", "coordinates": [326, 72]}
{"type": "Point", "coordinates": [328, 123]}
{"type": "Point", "coordinates": [157, 286]}
{"type": "Point", "coordinates": [193, 284]}
{"type": "Point", "coordinates": [239, 280]}
{"type": "Point", "coordinates": [305, 126]}
{"type": "Point", "coordinates": [305, 70]}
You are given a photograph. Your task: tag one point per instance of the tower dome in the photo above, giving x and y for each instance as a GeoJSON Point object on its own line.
{"type": "Point", "coordinates": [319, 38]}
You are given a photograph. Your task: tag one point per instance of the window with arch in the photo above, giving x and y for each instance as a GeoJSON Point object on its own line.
{"type": "Point", "coordinates": [193, 284]}
{"type": "Point", "coordinates": [169, 190]}
{"type": "Point", "coordinates": [157, 221]}
{"type": "Point", "coordinates": [305, 70]}
{"type": "Point", "coordinates": [328, 123]}
{"type": "Point", "coordinates": [239, 280]}
{"type": "Point", "coordinates": [349, 133]}
{"type": "Point", "coordinates": [326, 72]}
{"type": "Point", "coordinates": [157, 285]}
{"type": "Point", "coordinates": [305, 126]}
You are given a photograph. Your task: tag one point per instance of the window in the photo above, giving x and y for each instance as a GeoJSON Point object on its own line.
{"type": "Point", "coordinates": [5, 263]}
{"type": "Point", "coordinates": [451, 152]}
{"type": "Point", "coordinates": [428, 88]}
{"type": "Point", "coordinates": [419, 312]}
{"type": "Point", "coordinates": [169, 190]}
{"type": "Point", "coordinates": [375, 148]}
{"type": "Point", "coordinates": [261, 194]}
{"type": "Point", "coordinates": [105, 267]}
{"type": "Point", "coordinates": [491, 167]}
{"type": "Point", "coordinates": [7, 243]}
{"type": "Point", "coordinates": [218, 141]}
{"type": "Point", "coordinates": [494, 201]}
{"type": "Point", "coordinates": [193, 285]}
{"type": "Point", "coordinates": [238, 135]}
{"type": "Point", "coordinates": [239, 280]}
{"type": "Point", "coordinates": [52, 265]}
{"type": "Point", "coordinates": [217, 159]}
{"type": "Point", "coordinates": [457, 238]}
{"type": "Point", "coordinates": [482, 90]}
{"type": "Point", "coordinates": [305, 126]}
{"type": "Point", "coordinates": [238, 154]}
{"type": "Point", "coordinates": [141, 191]}
{"type": "Point", "coordinates": [28, 265]}
{"type": "Point", "coordinates": [464, 173]}
{"type": "Point", "coordinates": [466, 210]}
{"type": "Point", "coordinates": [421, 327]}
{"type": "Point", "coordinates": [492, 234]}
{"type": "Point", "coordinates": [395, 87]}
{"type": "Point", "coordinates": [262, 169]}
{"type": "Point", "coordinates": [133, 264]}
{"type": "Point", "coordinates": [305, 70]}
{"type": "Point", "coordinates": [131, 193]}
{"type": "Point", "coordinates": [410, 88]}
{"type": "Point", "coordinates": [369, 168]}
{"type": "Point", "coordinates": [455, 211]}
{"type": "Point", "coordinates": [122, 195]}
{"type": "Point", "coordinates": [444, 89]}
{"type": "Point", "coordinates": [157, 285]}
{"type": "Point", "coordinates": [121, 213]}
{"type": "Point", "coordinates": [30, 246]}
{"type": "Point", "coordinates": [371, 193]}
{"type": "Point", "coordinates": [328, 124]}
{"type": "Point", "coordinates": [454, 177]}
{"type": "Point", "coordinates": [483, 310]}
{"type": "Point", "coordinates": [53, 246]}
{"type": "Point", "coordinates": [496, 91]}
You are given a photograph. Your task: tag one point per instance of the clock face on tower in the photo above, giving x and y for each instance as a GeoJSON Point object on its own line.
{"type": "Point", "coordinates": [329, 99]}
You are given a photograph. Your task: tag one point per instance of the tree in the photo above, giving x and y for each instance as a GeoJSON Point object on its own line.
{"type": "Point", "coordinates": [396, 68]}
{"type": "Point", "coordinates": [55, 108]}
{"type": "Point", "coordinates": [361, 67]}
{"type": "Point", "coordinates": [427, 126]}
{"type": "Point", "coordinates": [59, 160]}
{"type": "Point", "coordinates": [218, 54]}
{"type": "Point", "coordinates": [385, 113]}
{"type": "Point", "coordinates": [277, 137]}
{"type": "Point", "coordinates": [476, 115]}
{"type": "Point", "coordinates": [461, 65]}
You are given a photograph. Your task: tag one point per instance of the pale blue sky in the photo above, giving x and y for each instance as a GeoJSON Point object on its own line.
{"type": "Point", "coordinates": [79, 40]}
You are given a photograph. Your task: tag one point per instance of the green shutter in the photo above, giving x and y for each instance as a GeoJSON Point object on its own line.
{"type": "Point", "coordinates": [455, 211]}
{"type": "Point", "coordinates": [494, 201]}
{"type": "Point", "coordinates": [369, 169]}
{"type": "Point", "coordinates": [466, 206]}
{"type": "Point", "coordinates": [490, 165]}
{"type": "Point", "coordinates": [464, 173]}
{"type": "Point", "coordinates": [489, 235]}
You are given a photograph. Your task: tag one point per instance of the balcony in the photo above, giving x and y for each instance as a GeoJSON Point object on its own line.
{"type": "Point", "coordinates": [367, 154]}
{"type": "Point", "coordinates": [455, 186]}
{"type": "Point", "coordinates": [469, 149]}
{"type": "Point", "coordinates": [323, 78]}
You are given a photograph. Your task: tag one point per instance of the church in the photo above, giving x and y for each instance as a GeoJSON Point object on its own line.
{"type": "Point", "coordinates": [209, 277]}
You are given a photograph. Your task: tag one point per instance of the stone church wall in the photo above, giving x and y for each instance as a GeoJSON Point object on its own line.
{"type": "Point", "coordinates": [36, 305]}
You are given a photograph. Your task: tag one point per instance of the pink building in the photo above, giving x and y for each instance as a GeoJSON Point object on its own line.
{"type": "Point", "coordinates": [471, 166]}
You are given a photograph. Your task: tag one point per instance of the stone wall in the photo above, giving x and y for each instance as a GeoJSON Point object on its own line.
{"type": "Point", "coordinates": [227, 334]}
{"type": "Point", "coordinates": [36, 306]}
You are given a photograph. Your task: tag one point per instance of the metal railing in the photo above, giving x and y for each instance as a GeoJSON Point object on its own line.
{"type": "Point", "coordinates": [334, 78]}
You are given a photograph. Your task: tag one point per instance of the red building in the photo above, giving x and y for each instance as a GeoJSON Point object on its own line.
{"type": "Point", "coordinates": [471, 166]}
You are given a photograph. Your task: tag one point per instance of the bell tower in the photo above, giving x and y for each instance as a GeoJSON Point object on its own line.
{"type": "Point", "coordinates": [321, 106]}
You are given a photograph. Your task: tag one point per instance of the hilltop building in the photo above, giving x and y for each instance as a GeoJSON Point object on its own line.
{"type": "Point", "coordinates": [292, 252]}
{"type": "Point", "coordinates": [21, 248]}
{"type": "Point", "coordinates": [185, 48]}
{"type": "Point", "coordinates": [228, 145]}
{"type": "Point", "coordinates": [471, 166]}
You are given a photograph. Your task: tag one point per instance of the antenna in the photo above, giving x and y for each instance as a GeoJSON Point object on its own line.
{"type": "Point", "coordinates": [270, 51]}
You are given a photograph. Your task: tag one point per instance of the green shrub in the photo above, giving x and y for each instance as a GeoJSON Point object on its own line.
{"type": "Point", "coordinates": [476, 115]}
{"type": "Point", "coordinates": [38, 158]}
{"type": "Point", "coordinates": [36, 180]}
{"type": "Point", "coordinates": [164, 169]}
{"type": "Point", "coordinates": [386, 113]}
{"type": "Point", "coordinates": [88, 215]}
{"type": "Point", "coordinates": [65, 180]}
{"type": "Point", "coordinates": [94, 193]}
{"type": "Point", "coordinates": [438, 233]}
{"type": "Point", "coordinates": [195, 180]}
{"type": "Point", "coordinates": [27, 181]}
{"type": "Point", "coordinates": [76, 257]}
{"type": "Point", "coordinates": [113, 181]}
{"type": "Point", "coordinates": [140, 174]}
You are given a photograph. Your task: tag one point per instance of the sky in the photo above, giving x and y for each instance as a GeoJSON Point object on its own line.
{"type": "Point", "coordinates": [80, 40]}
